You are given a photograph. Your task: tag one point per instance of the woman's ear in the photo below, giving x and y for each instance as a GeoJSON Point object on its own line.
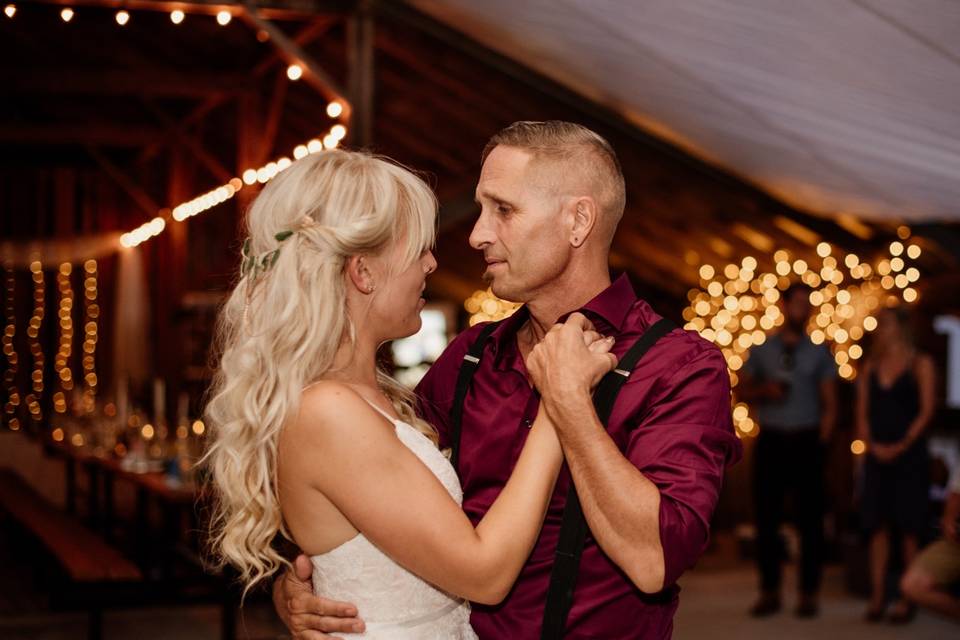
{"type": "Point", "coordinates": [358, 270]}
{"type": "Point", "coordinates": [584, 218]}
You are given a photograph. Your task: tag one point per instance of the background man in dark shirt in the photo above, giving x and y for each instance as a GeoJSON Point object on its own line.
{"type": "Point", "coordinates": [551, 195]}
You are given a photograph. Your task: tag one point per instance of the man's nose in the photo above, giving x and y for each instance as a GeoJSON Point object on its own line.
{"type": "Point", "coordinates": [482, 235]}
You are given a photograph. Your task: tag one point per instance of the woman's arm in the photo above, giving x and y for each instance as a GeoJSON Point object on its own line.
{"type": "Point", "coordinates": [926, 385]}
{"type": "Point", "coordinates": [863, 394]}
{"type": "Point", "coordinates": [344, 449]}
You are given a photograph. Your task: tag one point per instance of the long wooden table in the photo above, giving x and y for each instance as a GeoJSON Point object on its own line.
{"type": "Point", "coordinates": [151, 487]}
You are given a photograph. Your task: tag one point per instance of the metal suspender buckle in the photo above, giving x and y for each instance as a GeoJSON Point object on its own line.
{"type": "Point", "coordinates": [470, 358]}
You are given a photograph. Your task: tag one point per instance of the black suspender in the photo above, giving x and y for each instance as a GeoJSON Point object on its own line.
{"type": "Point", "coordinates": [467, 368]}
{"type": "Point", "coordinates": [573, 529]}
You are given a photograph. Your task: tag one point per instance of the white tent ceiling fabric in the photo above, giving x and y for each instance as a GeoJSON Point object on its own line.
{"type": "Point", "coordinates": [834, 106]}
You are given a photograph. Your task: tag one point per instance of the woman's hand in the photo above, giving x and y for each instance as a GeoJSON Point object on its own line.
{"type": "Point", "coordinates": [571, 359]}
{"type": "Point", "coordinates": [887, 453]}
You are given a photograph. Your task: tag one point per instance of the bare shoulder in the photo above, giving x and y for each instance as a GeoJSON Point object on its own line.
{"type": "Point", "coordinates": [329, 408]}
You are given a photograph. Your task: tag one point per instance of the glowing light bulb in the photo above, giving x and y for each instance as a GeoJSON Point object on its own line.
{"type": "Point", "coordinates": [177, 16]}
{"type": "Point", "coordinates": [224, 18]}
{"type": "Point", "coordinates": [294, 72]}
{"type": "Point", "coordinates": [10, 10]}
{"type": "Point", "coordinates": [122, 17]}
{"type": "Point", "coordinates": [334, 109]}
{"type": "Point", "coordinates": [67, 14]}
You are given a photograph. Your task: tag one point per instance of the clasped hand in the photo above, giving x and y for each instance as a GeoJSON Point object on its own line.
{"type": "Point", "coordinates": [570, 360]}
{"type": "Point", "coordinates": [887, 453]}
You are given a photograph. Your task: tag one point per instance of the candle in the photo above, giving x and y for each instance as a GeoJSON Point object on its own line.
{"type": "Point", "coordinates": [183, 408]}
{"type": "Point", "coordinates": [159, 413]}
{"type": "Point", "coordinates": [123, 401]}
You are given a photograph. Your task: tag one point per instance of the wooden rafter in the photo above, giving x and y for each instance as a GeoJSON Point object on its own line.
{"type": "Point", "coordinates": [118, 82]}
{"type": "Point", "coordinates": [132, 189]}
{"type": "Point", "coordinates": [189, 142]}
{"type": "Point", "coordinates": [303, 37]}
{"type": "Point", "coordinates": [293, 53]}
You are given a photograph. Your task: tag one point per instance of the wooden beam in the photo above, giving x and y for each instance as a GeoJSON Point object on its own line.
{"type": "Point", "coordinates": [275, 111]}
{"type": "Point", "coordinates": [248, 119]}
{"type": "Point", "coordinates": [645, 273]}
{"type": "Point", "coordinates": [102, 135]}
{"type": "Point", "coordinates": [294, 54]}
{"type": "Point", "coordinates": [492, 112]}
{"type": "Point", "coordinates": [303, 37]}
{"type": "Point", "coordinates": [646, 250]}
{"type": "Point", "coordinates": [118, 82]}
{"type": "Point", "coordinates": [190, 143]}
{"type": "Point", "coordinates": [271, 9]}
{"type": "Point", "coordinates": [415, 143]}
{"type": "Point", "coordinates": [135, 191]}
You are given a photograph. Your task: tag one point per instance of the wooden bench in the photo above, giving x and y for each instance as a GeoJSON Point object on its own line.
{"type": "Point", "coordinates": [94, 570]}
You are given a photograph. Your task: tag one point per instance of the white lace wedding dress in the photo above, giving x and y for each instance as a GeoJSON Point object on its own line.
{"type": "Point", "coordinates": [394, 603]}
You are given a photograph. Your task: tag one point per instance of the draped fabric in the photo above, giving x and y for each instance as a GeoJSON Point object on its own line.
{"type": "Point", "coordinates": [835, 106]}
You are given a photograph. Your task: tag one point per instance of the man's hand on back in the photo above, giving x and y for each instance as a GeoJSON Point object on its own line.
{"type": "Point", "coordinates": [307, 616]}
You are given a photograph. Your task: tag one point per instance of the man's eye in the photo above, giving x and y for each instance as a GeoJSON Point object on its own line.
{"type": "Point", "coordinates": [503, 208]}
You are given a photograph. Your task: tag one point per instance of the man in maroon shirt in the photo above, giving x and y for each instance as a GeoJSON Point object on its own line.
{"type": "Point", "coordinates": [551, 195]}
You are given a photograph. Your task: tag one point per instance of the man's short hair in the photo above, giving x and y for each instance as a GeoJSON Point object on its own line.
{"type": "Point", "coordinates": [562, 141]}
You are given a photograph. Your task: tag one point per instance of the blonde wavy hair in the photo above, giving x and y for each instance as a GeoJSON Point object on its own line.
{"type": "Point", "coordinates": [283, 323]}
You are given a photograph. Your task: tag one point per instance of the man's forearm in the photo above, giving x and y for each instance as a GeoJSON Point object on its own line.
{"type": "Point", "coordinates": [621, 506]}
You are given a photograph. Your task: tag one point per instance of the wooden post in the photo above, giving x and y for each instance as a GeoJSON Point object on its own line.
{"type": "Point", "coordinates": [361, 79]}
{"type": "Point", "coordinates": [169, 277]}
{"type": "Point", "coordinates": [248, 148]}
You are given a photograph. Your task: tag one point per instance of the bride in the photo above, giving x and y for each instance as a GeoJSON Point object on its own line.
{"type": "Point", "coordinates": [312, 441]}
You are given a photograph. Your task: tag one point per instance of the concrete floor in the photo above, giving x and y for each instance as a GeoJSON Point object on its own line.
{"type": "Point", "coordinates": [713, 605]}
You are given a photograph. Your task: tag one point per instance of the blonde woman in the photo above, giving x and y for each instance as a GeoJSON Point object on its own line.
{"type": "Point", "coordinates": [311, 441]}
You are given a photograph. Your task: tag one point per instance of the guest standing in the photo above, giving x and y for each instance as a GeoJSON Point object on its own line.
{"type": "Point", "coordinates": [790, 381]}
{"type": "Point", "coordinates": [895, 402]}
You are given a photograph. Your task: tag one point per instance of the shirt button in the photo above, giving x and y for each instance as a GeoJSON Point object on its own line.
{"type": "Point", "coordinates": [527, 422]}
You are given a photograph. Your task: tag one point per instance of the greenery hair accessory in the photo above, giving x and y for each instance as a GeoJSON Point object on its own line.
{"type": "Point", "coordinates": [252, 265]}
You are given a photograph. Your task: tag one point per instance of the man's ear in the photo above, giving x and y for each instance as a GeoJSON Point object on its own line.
{"type": "Point", "coordinates": [584, 218]}
{"type": "Point", "coordinates": [359, 272]}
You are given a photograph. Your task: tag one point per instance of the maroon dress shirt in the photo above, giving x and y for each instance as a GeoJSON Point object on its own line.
{"type": "Point", "coordinates": [672, 420]}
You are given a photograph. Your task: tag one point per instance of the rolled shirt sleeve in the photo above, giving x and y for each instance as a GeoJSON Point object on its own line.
{"type": "Point", "coordinates": [683, 443]}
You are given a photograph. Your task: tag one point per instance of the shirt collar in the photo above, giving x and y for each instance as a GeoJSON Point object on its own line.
{"type": "Point", "coordinates": [613, 303]}
{"type": "Point", "coordinates": [610, 305]}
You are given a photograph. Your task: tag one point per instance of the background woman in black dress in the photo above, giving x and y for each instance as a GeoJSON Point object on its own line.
{"type": "Point", "coordinates": [895, 403]}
